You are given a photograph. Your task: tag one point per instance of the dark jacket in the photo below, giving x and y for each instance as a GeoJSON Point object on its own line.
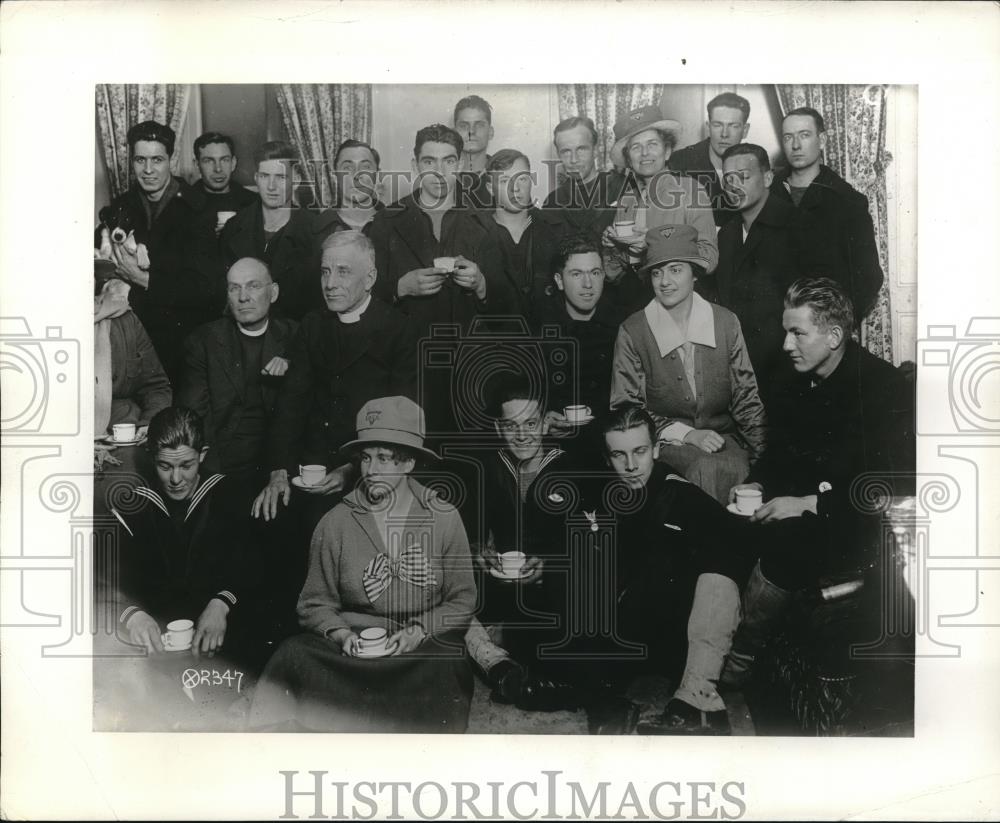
{"type": "Point", "coordinates": [171, 566]}
{"type": "Point", "coordinates": [526, 280]}
{"type": "Point", "coordinates": [837, 236]}
{"type": "Point", "coordinates": [186, 286]}
{"type": "Point", "coordinates": [139, 386]}
{"type": "Point", "coordinates": [696, 162]}
{"type": "Point", "coordinates": [291, 255]}
{"type": "Point", "coordinates": [752, 278]}
{"type": "Point", "coordinates": [213, 383]}
{"type": "Point", "coordinates": [236, 198]}
{"type": "Point", "coordinates": [587, 207]}
{"type": "Point", "coordinates": [404, 240]}
{"type": "Point", "coordinates": [335, 369]}
{"type": "Point", "coordinates": [859, 420]}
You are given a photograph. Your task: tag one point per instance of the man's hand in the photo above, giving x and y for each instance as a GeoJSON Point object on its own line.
{"type": "Point", "coordinates": [421, 282]}
{"type": "Point", "coordinates": [489, 557]}
{"type": "Point", "coordinates": [103, 457]}
{"type": "Point", "coordinates": [781, 508]}
{"type": "Point", "coordinates": [127, 266]}
{"type": "Point", "coordinates": [335, 481]}
{"type": "Point", "coordinates": [556, 424]}
{"type": "Point", "coordinates": [738, 486]}
{"type": "Point", "coordinates": [405, 640]}
{"type": "Point", "coordinates": [210, 629]}
{"type": "Point", "coordinates": [468, 276]}
{"type": "Point", "coordinates": [144, 631]}
{"type": "Point", "coordinates": [532, 570]}
{"type": "Point", "coordinates": [266, 504]}
{"type": "Point", "coordinates": [276, 367]}
{"type": "Point", "coordinates": [705, 439]}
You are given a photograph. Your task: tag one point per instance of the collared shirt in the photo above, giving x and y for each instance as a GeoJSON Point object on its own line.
{"type": "Point", "coordinates": [355, 316]}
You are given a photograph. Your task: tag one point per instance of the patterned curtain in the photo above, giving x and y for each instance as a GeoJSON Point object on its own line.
{"type": "Point", "coordinates": [855, 149]}
{"type": "Point", "coordinates": [604, 104]}
{"type": "Point", "coordinates": [121, 106]}
{"type": "Point", "coordinates": [319, 117]}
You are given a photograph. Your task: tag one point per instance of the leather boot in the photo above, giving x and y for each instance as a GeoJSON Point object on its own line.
{"type": "Point", "coordinates": [763, 605]}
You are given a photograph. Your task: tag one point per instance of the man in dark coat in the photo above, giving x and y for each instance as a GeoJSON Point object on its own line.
{"type": "Point", "coordinates": [727, 124]}
{"type": "Point", "coordinates": [215, 155]}
{"type": "Point", "coordinates": [838, 414]}
{"type": "Point", "coordinates": [234, 369]}
{"type": "Point", "coordinates": [182, 286]}
{"type": "Point", "coordinates": [279, 232]}
{"type": "Point", "coordinates": [832, 219]}
{"type": "Point", "coordinates": [473, 120]}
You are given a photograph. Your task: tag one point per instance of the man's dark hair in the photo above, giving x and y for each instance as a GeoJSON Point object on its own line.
{"type": "Point", "coordinates": [625, 418]}
{"type": "Point", "coordinates": [574, 244]}
{"type": "Point", "coordinates": [175, 427]}
{"type": "Point", "coordinates": [806, 111]}
{"type": "Point", "coordinates": [356, 144]}
{"type": "Point", "coordinates": [513, 387]}
{"type": "Point", "coordinates": [473, 101]}
{"type": "Point", "coordinates": [572, 123]}
{"type": "Point", "coordinates": [505, 158]}
{"type": "Point", "coordinates": [729, 100]}
{"type": "Point", "coordinates": [437, 133]}
{"type": "Point", "coordinates": [210, 137]}
{"type": "Point", "coordinates": [151, 131]}
{"type": "Point", "coordinates": [275, 150]}
{"type": "Point", "coordinates": [827, 300]}
{"type": "Point", "coordinates": [749, 148]}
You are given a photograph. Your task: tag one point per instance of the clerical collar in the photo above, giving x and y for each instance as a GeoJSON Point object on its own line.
{"type": "Point", "coordinates": [355, 316]}
{"type": "Point", "coordinates": [258, 333]}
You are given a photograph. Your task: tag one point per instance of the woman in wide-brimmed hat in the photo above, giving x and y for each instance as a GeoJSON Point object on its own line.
{"type": "Point", "coordinates": [391, 559]}
{"type": "Point", "coordinates": [653, 196]}
{"type": "Point", "coordinates": [684, 360]}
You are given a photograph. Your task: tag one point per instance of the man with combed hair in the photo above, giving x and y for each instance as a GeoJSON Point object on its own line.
{"type": "Point", "coordinates": [473, 120]}
{"type": "Point", "coordinates": [832, 218]}
{"type": "Point", "coordinates": [838, 414]}
{"type": "Point", "coordinates": [727, 126]}
{"type": "Point", "coordinates": [215, 155]}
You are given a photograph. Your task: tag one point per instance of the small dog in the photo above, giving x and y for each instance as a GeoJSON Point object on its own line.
{"type": "Point", "coordinates": [116, 227]}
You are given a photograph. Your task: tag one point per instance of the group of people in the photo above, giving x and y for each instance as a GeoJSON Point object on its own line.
{"type": "Point", "coordinates": [588, 383]}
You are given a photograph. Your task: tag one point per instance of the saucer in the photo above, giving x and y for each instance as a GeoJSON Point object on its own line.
{"type": "Point", "coordinates": [731, 508]}
{"type": "Point", "coordinates": [628, 239]}
{"type": "Point", "coordinates": [583, 421]}
{"type": "Point", "coordinates": [167, 648]}
{"type": "Point", "coordinates": [499, 575]}
{"type": "Point", "coordinates": [109, 440]}
{"type": "Point", "coordinates": [382, 653]}
{"type": "Point", "coordinates": [297, 482]}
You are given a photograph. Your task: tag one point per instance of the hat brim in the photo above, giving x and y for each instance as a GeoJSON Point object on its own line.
{"type": "Point", "coordinates": [701, 261]}
{"type": "Point", "coordinates": [618, 149]}
{"type": "Point", "coordinates": [387, 437]}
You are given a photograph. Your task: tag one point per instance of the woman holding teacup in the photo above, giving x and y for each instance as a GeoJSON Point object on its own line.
{"type": "Point", "coordinates": [684, 360]}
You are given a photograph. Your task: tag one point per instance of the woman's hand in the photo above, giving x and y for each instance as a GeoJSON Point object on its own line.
{"type": "Point", "coordinates": [705, 439]}
{"type": "Point", "coordinates": [405, 640]}
{"type": "Point", "coordinates": [210, 629]}
{"type": "Point", "coordinates": [347, 639]}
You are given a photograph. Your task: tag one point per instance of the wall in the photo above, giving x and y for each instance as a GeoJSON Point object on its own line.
{"type": "Point", "coordinates": [241, 111]}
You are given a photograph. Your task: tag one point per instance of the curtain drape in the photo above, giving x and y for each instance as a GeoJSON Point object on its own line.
{"type": "Point", "coordinates": [855, 149]}
{"type": "Point", "coordinates": [604, 103]}
{"type": "Point", "coordinates": [121, 106]}
{"type": "Point", "coordinates": [318, 118]}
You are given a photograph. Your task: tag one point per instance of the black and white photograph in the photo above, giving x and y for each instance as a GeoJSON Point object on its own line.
{"type": "Point", "coordinates": [467, 442]}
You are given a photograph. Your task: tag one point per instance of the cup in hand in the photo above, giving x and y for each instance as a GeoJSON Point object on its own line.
{"type": "Point", "coordinates": [223, 217]}
{"type": "Point", "coordinates": [576, 414]}
{"type": "Point", "coordinates": [748, 500]}
{"type": "Point", "coordinates": [372, 640]}
{"type": "Point", "coordinates": [123, 432]}
{"type": "Point", "coordinates": [178, 635]}
{"type": "Point", "coordinates": [511, 563]}
{"type": "Point", "coordinates": [312, 474]}
{"type": "Point", "coordinates": [624, 228]}
{"type": "Point", "coordinates": [446, 263]}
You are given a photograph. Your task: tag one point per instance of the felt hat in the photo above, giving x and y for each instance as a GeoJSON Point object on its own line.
{"type": "Point", "coordinates": [637, 120]}
{"type": "Point", "coordinates": [665, 244]}
{"type": "Point", "coordinates": [396, 421]}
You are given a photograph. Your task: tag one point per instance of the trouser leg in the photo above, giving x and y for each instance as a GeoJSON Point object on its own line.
{"type": "Point", "coordinates": [763, 604]}
{"type": "Point", "coordinates": [482, 646]}
{"type": "Point", "coordinates": [715, 614]}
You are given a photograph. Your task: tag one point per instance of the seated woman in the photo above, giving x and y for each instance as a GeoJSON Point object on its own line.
{"type": "Point", "coordinates": [685, 361]}
{"type": "Point", "coordinates": [391, 557]}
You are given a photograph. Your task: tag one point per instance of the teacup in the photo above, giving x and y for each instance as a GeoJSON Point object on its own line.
{"type": "Point", "coordinates": [511, 563]}
{"type": "Point", "coordinates": [312, 474]}
{"type": "Point", "coordinates": [123, 432]}
{"type": "Point", "coordinates": [576, 414]}
{"type": "Point", "coordinates": [372, 640]}
{"type": "Point", "coordinates": [748, 500]}
{"type": "Point", "coordinates": [223, 217]}
{"type": "Point", "coordinates": [178, 635]}
{"type": "Point", "coordinates": [446, 263]}
{"type": "Point", "coordinates": [625, 228]}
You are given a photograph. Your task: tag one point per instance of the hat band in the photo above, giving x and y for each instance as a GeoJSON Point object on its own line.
{"type": "Point", "coordinates": [397, 437]}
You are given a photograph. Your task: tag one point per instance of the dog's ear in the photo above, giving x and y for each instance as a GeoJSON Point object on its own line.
{"type": "Point", "coordinates": [105, 215]}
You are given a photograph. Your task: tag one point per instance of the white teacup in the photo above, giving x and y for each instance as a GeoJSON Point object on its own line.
{"type": "Point", "coordinates": [626, 228]}
{"type": "Point", "coordinates": [223, 217]}
{"type": "Point", "coordinates": [748, 500]}
{"type": "Point", "coordinates": [312, 474]}
{"type": "Point", "coordinates": [446, 263]}
{"type": "Point", "coordinates": [123, 432]}
{"type": "Point", "coordinates": [511, 563]}
{"type": "Point", "coordinates": [576, 414]}
{"type": "Point", "coordinates": [372, 640]}
{"type": "Point", "coordinates": [179, 634]}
